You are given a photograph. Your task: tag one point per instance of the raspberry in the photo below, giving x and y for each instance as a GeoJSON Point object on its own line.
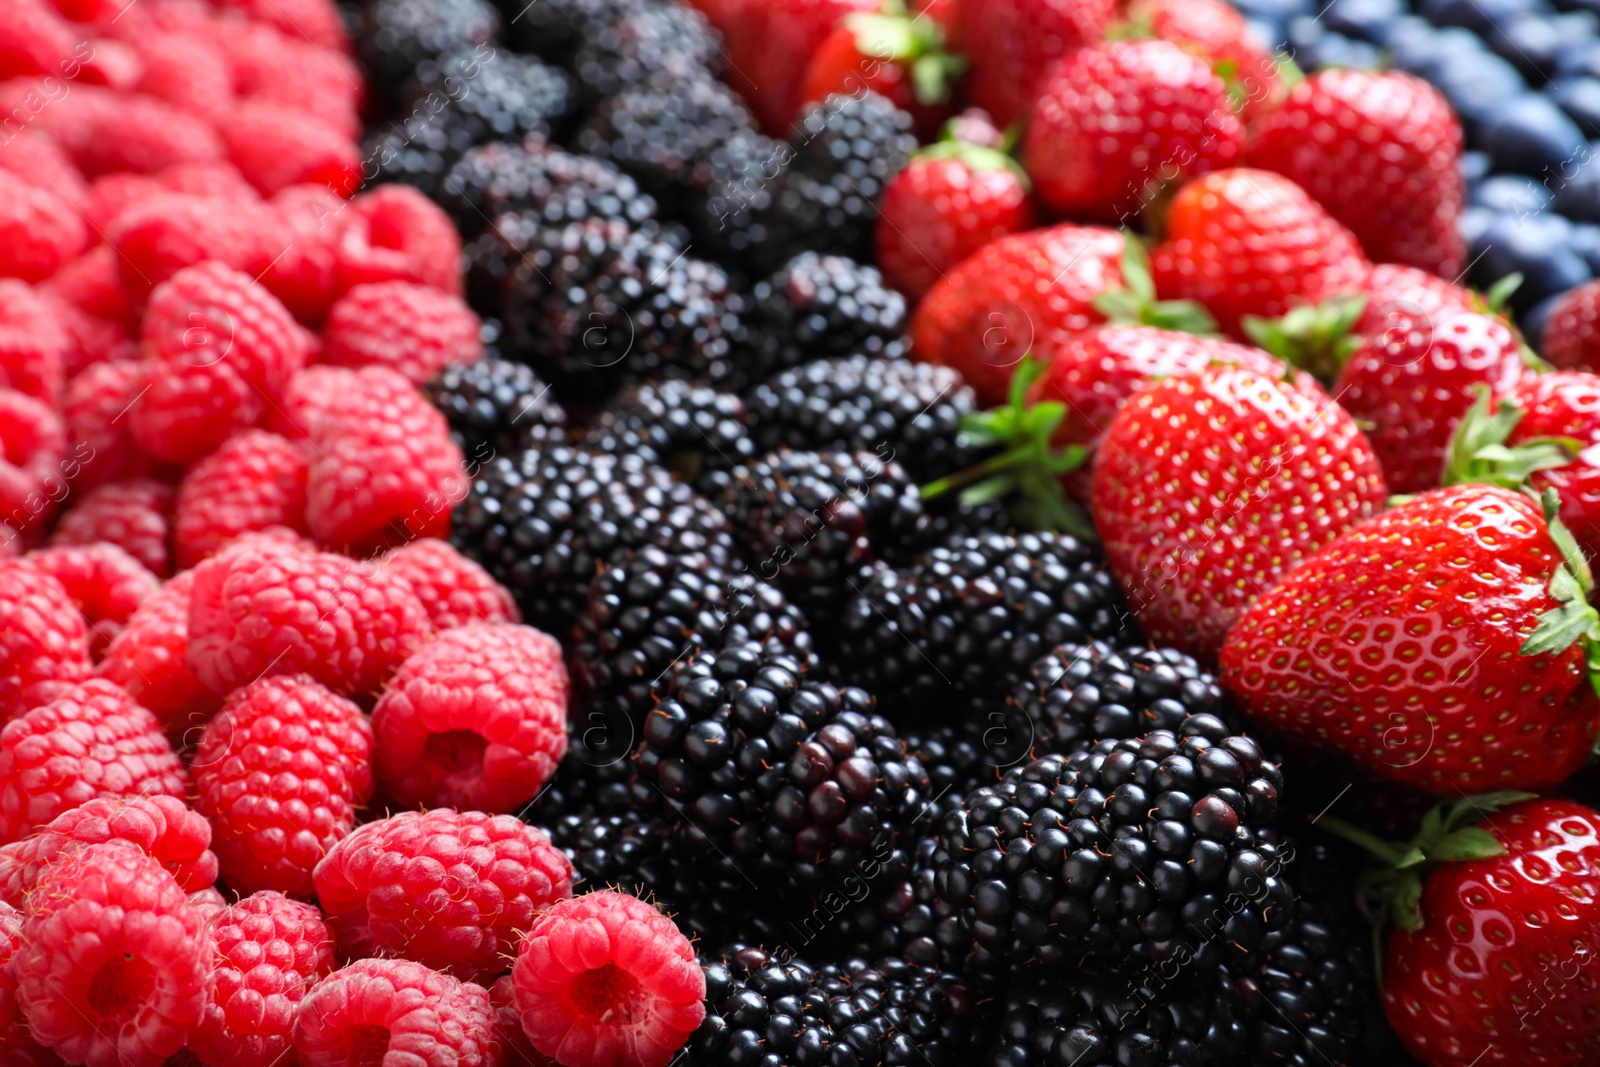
{"type": "Point", "coordinates": [285, 69]}
{"type": "Point", "coordinates": [267, 609]}
{"type": "Point", "coordinates": [515, 1049]}
{"type": "Point", "coordinates": [270, 951]}
{"type": "Point", "coordinates": [410, 328]}
{"type": "Point", "coordinates": [33, 462]}
{"type": "Point", "coordinates": [187, 70]}
{"type": "Point", "coordinates": [39, 230]}
{"type": "Point", "coordinates": [315, 20]}
{"type": "Point", "coordinates": [99, 401]}
{"type": "Point", "coordinates": [134, 985]}
{"type": "Point", "coordinates": [210, 313]}
{"type": "Point", "coordinates": [33, 39]}
{"type": "Point", "coordinates": [211, 179]}
{"type": "Point", "coordinates": [394, 233]}
{"type": "Point", "coordinates": [35, 157]}
{"type": "Point", "coordinates": [279, 773]}
{"type": "Point", "coordinates": [395, 1012]}
{"type": "Point", "coordinates": [304, 276]}
{"type": "Point", "coordinates": [255, 480]}
{"type": "Point", "coordinates": [150, 659]}
{"type": "Point", "coordinates": [385, 469]}
{"type": "Point", "coordinates": [161, 235]}
{"type": "Point", "coordinates": [162, 827]}
{"type": "Point", "coordinates": [131, 515]}
{"type": "Point", "coordinates": [454, 589]}
{"type": "Point", "coordinates": [475, 719]}
{"type": "Point", "coordinates": [307, 397]}
{"type": "Point", "coordinates": [452, 890]}
{"type": "Point", "coordinates": [90, 338]}
{"type": "Point", "coordinates": [276, 146]}
{"type": "Point", "coordinates": [93, 283]}
{"type": "Point", "coordinates": [33, 343]}
{"type": "Point", "coordinates": [111, 194]}
{"type": "Point", "coordinates": [185, 411]}
{"type": "Point", "coordinates": [10, 941]}
{"type": "Point", "coordinates": [90, 741]}
{"type": "Point", "coordinates": [43, 641]}
{"type": "Point", "coordinates": [105, 583]}
{"type": "Point", "coordinates": [106, 131]}
{"type": "Point", "coordinates": [605, 978]}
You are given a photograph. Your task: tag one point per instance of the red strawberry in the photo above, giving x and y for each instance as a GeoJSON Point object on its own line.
{"type": "Point", "coordinates": [1209, 487]}
{"type": "Point", "coordinates": [1249, 242]}
{"type": "Point", "coordinates": [1442, 643]}
{"type": "Point", "coordinates": [898, 57]}
{"type": "Point", "coordinates": [776, 40]}
{"type": "Point", "coordinates": [944, 205]}
{"type": "Point", "coordinates": [1012, 43]}
{"type": "Point", "coordinates": [1412, 383]}
{"type": "Point", "coordinates": [1215, 31]}
{"type": "Point", "coordinates": [1572, 332]}
{"type": "Point", "coordinates": [1115, 123]}
{"type": "Point", "coordinates": [1380, 151]}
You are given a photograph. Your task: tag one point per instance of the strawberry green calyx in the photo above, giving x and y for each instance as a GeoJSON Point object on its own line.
{"type": "Point", "coordinates": [919, 43]}
{"type": "Point", "coordinates": [1494, 298]}
{"type": "Point", "coordinates": [1028, 466]}
{"type": "Point", "coordinates": [1317, 338]}
{"type": "Point", "coordinates": [1575, 620]}
{"type": "Point", "coordinates": [1479, 452]}
{"type": "Point", "coordinates": [1135, 304]}
{"type": "Point", "coordinates": [975, 157]}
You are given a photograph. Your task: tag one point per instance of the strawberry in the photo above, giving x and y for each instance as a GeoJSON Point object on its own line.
{"type": "Point", "coordinates": [1012, 43]}
{"type": "Point", "coordinates": [1412, 383]}
{"type": "Point", "coordinates": [1249, 242]}
{"type": "Point", "coordinates": [1443, 643]}
{"type": "Point", "coordinates": [1215, 31]}
{"type": "Point", "coordinates": [899, 57]}
{"type": "Point", "coordinates": [950, 200]}
{"type": "Point", "coordinates": [1209, 487]}
{"type": "Point", "coordinates": [777, 39]}
{"type": "Point", "coordinates": [1380, 151]}
{"type": "Point", "coordinates": [1572, 331]}
{"type": "Point", "coordinates": [1117, 122]}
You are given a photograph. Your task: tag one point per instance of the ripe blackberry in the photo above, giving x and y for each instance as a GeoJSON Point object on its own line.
{"type": "Point", "coordinates": [553, 29]}
{"type": "Point", "coordinates": [651, 41]}
{"type": "Point", "coordinates": [1131, 854]}
{"type": "Point", "coordinates": [1093, 1021]}
{"type": "Point", "coordinates": [970, 617]}
{"type": "Point", "coordinates": [732, 220]}
{"type": "Point", "coordinates": [540, 180]}
{"type": "Point", "coordinates": [396, 35]}
{"type": "Point", "coordinates": [691, 429]}
{"type": "Point", "coordinates": [591, 779]}
{"type": "Point", "coordinates": [1075, 695]}
{"type": "Point", "coordinates": [511, 256]}
{"type": "Point", "coordinates": [497, 408]}
{"type": "Point", "coordinates": [809, 520]}
{"type": "Point", "coordinates": [417, 154]}
{"type": "Point", "coordinates": [846, 150]}
{"type": "Point", "coordinates": [822, 305]}
{"type": "Point", "coordinates": [858, 403]}
{"type": "Point", "coordinates": [543, 521]}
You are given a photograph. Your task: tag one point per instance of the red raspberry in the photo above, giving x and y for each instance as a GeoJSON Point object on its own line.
{"type": "Point", "coordinates": [411, 328]}
{"type": "Point", "coordinates": [270, 952]}
{"type": "Point", "coordinates": [43, 641]}
{"type": "Point", "coordinates": [90, 338]}
{"type": "Point", "coordinates": [39, 231]}
{"type": "Point", "coordinates": [134, 985]}
{"type": "Point", "coordinates": [35, 157]}
{"type": "Point", "coordinates": [515, 1049]}
{"type": "Point", "coordinates": [449, 889]}
{"type": "Point", "coordinates": [284, 68]}
{"type": "Point", "coordinates": [395, 1012]}
{"type": "Point", "coordinates": [394, 233]}
{"type": "Point", "coordinates": [604, 979]}
{"type": "Point", "coordinates": [33, 39]}
{"type": "Point", "coordinates": [98, 409]}
{"type": "Point", "coordinates": [161, 235]}
{"type": "Point", "coordinates": [178, 837]}
{"type": "Point", "coordinates": [150, 659]}
{"type": "Point", "coordinates": [105, 583]}
{"type": "Point", "coordinates": [105, 131]}
{"type": "Point", "coordinates": [131, 514]}
{"type": "Point", "coordinates": [190, 71]}
{"type": "Point", "coordinates": [112, 194]}
{"type": "Point", "coordinates": [90, 741]}
{"type": "Point", "coordinates": [307, 397]}
{"type": "Point", "coordinates": [1572, 332]}
{"type": "Point", "coordinates": [305, 277]}
{"type": "Point", "coordinates": [475, 719]}
{"type": "Point", "coordinates": [276, 146]}
{"type": "Point", "coordinates": [33, 343]}
{"type": "Point", "coordinates": [186, 410]}
{"type": "Point", "coordinates": [271, 610]}
{"type": "Point", "coordinates": [453, 588]}
{"type": "Point", "coordinates": [93, 282]}
{"type": "Point", "coordinates": [279, 773]}
{"type": "Point", "coordinates": [34, 465]}
{"type": "Point", "coordinates": [316, 20]}
{"type": "Point", "coordinates": [211, 313]}
{"type": "Point", "coordinates": [385, 469]}
{"type": "Point", "coordinates": [255, 480]}
{"type": "Point", "coordinates": [10, 941]}
{"type": "Point", "coordinates": [212, 178]}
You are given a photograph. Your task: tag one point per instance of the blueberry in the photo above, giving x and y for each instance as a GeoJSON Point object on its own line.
{"type": "Point", "coordinates": [1530, 135]}
{"type": "Point", "coordinates": [1418, 48]}
{"type": "Point", "coordinates": [1537, 248]}
{"type": "Point", "coordinates": [1532, 44]}
{"type": "Point", "coordinates": [1474, 221]}
{"type": "Point", "coordinates": [1366, 20]}
{"type": "Point", "coordinates": [1577, 186]}
{"type": "Point", "coordinates": [1514, 194]}
{"type": "Point", "coordinates": [1533, 323]}
{"type": "Point", "coordinates": [1584, 237]}
{"type": "Point", "coordinates": [1474, 166]}
{"type": "Point", "coordinates": [1278, 10]}
{"type": "Point", "coordinates": [1579, 97]}
{"type": "Point", "coordinates": [1477, 84]}
{"type": "Point", "coordinates": [1479, 16]}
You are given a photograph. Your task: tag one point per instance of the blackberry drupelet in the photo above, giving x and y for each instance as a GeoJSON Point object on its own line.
{"type": "Point", "coordinates": [651, 41]}
{"type": "Point", "coordinates": [396, 35]}
{"type": "Point", "coordinates": [1092, 1021]}
{"type": "Point", "coordinates": [543, 521]}
{"type": "Point", "coordinates": [809, 520]}
{"type": "Point", "coordinates": [971, 616]}
{"type": "Point", "coordinates": [692, 429]}
{"type": "Point", "coordinates": [859, 403]}
{"type": "Point", "coordinates": [1076, 695]}
{"type": "Point", "coordinates": [1133, 854]}
{"type": "Point", "coordinates": [846, 150]}
{"type": "Point", "coordinates": [822, 305]}
{"type": "Point", "coordinates": [497, 408]}
{"type": "Point", "coordinates": [538, 180]}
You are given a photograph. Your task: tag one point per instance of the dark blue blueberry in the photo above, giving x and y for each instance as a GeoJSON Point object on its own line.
{"type": "Point", "coordinates": [1477, 84]}
{"type": "Point", "coordinates": [1276, 10]}
{"type": "Point", "coordinates": [1514, 194]}
{"type": "Point", "coordinates": [1579, 97]}
{"type": "Point", "coordinates": [1479, 16]}
{"type": "Point", "coordinates": [1532, 324]}
{"type": "Point", "coordinates": [1366, 20]}
{"type": "Point", "coordinates": [1534, 44]}
{"type": "Point", "coordinates": [1473, 221]}
{"type": "Point", "coordinates": [1581, 58]}
{"type": "Point", "coordinates": [1265, 29]}
{"type": "Point", "coordinates": [1577, 186]}
{"type": "Point", "coordinates": [1584, 238]}
{"type": "Point", "coordinates": [1530, 135]}
{"type": "Point", "coordinates": [1537, 248]}
{"type": "Point", "coordinates": [1474, 166]}
{"type": "Point", "coordinates": [1417, 48]}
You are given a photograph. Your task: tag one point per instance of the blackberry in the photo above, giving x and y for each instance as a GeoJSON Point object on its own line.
{"type": "Point", "coordinates": [1076, 695]}
{"type": "Point", "coordinates": [668, 135]}
{"type": "Point", "coordinates": [970, 617]}
{"type": "Point", "coordinates": [397, 35]}
{"type": "Point", "coordinates": [650, 608]}
{"type": "Point", "coordinates": [809, 520]}
{"type": "Point", "coordinates": [822, 305]}
{"type": "Point", "coordinates": [846, 150]}
{"type": "Point", "coordinates": [412, 153]}
{"type": "Point", "coordinates": [650, 41]}
{"type": "Point", "coordinates": [553, 29]}
{"type": "Point", "coordinates": [864, 404]}
{"type": "Point", "coordinates": [543, 522]}
{"type": "Point", "coordinates": [1132, 854]}
{"type": "Point", "coordinates": [1093, 1021]}
{"type": "Point", "coordinates": [538, 180]}
{"type": "Point", "coordinates": [732, 220]}
{"type": "Point", "coordinates": [691, 429]}
{"type": "Point", "coordinates": [497, 408]}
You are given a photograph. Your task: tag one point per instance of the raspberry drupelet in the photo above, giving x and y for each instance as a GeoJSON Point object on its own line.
{"type": "Point", "coordinates": [130, 514]}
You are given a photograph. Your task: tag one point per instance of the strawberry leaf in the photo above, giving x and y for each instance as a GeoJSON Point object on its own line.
{"type": "Point", "coordinates": [1479, 451]}
{"type": "Point", "coordinates": [1135, 304]}
{"type": "Point", "coordinates": [1495, 297]}
{"type": "Point", "coordinates": [1468, 844]}
{"type": "Point", "coordinates": [1314, 337]}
